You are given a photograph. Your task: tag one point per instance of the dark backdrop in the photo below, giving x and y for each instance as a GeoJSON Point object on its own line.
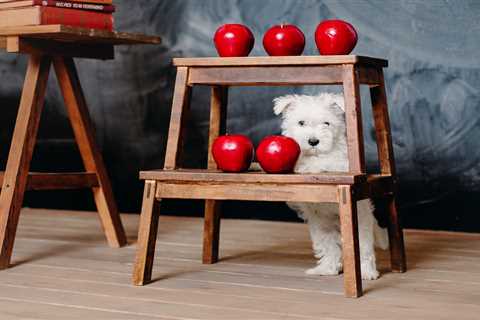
{"type": "Point", "coordinates": [433, 88]}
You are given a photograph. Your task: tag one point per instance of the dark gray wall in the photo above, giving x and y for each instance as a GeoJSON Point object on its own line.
{"type": "Point", "coordinates": [433, 88]}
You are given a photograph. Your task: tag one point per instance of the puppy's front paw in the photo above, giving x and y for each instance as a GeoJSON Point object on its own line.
{"type": "Point", "coordinates": [326, 267]}
{"type": "Point", "coordinates": [369, 271]}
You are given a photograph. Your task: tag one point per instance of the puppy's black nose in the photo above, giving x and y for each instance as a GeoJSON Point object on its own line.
{"type": "Point", "coordinates": [313, 141]}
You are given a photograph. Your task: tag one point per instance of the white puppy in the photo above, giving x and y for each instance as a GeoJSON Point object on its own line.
{"type": "Point", "coordinates": [317, 123]}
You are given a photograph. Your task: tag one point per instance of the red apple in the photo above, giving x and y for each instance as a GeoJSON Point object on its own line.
{"type": "Point", "coordinates": [284, 40]}
{"type": "Point", "coordinates": [278, 154]}
{"type": "Point", "coordinates": [233, 153]}
{"type": "Point", "coordinates": [335, 37]}
{"type": "Point", "coordinates": [233, 40]}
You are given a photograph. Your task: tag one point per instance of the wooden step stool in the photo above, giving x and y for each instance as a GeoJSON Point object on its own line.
{"type": "Point", "coordinates": [212, 185]}
{"type": "Point", "coordinates": [57, 45]}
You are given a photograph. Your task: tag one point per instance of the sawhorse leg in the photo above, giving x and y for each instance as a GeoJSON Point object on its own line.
{"type": "Point", "coordinates": [21, 150]}
{"type": "Point", "coordinates": [91, 156]}
{"type": "Point", "coordinates": [24, 137]}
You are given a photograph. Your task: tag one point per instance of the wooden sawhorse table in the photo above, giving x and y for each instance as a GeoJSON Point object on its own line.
{"type": "Point", "coordinates": [57, 45]}
{"type": "Point", "coordinates": [344, 188]}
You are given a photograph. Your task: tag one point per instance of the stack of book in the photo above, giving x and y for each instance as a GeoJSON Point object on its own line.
{"type": "Point", "coordinates": [90, 14]}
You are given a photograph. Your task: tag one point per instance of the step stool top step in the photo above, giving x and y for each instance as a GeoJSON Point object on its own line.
{"type": "Point", "coordinates": [279, 61]}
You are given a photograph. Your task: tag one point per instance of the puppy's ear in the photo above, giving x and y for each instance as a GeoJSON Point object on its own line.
{"type": "Point", "coordinates": [339, 101]}
{"type": "Point", "coordinates": [281, 104]}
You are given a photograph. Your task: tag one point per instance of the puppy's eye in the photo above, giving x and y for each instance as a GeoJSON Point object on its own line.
{"type": "Point", "coordinates": [327, 124]}
{"type": "Point", "coordinates": [301, 123]}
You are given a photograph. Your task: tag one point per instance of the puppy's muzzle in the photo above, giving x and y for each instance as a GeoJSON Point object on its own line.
{"type": "Point", "coordinates": [313, 141]}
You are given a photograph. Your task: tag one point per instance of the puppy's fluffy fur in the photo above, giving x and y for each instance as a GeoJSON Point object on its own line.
{"type": "Point", "coordinates": [317, 123]}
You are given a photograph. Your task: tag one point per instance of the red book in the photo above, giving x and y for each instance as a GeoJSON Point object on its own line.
{"type": "Point", "coordinates": [34, 16]}
{"type": "Point", "coordinates": [94, 1]}
{"type": "Point", "coordinates": [59, 4]}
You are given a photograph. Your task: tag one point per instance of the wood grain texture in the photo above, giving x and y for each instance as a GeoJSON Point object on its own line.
{"type": "Point", "coordinates": [212, 216]}
{"type": "Point", "coordinates": [64, 33]}
{"type": "Point", "coordinates": [15, 178]}
{"type": "Point", "coordinates": [218, 119]}
{"type": "Point", "coordinates": [387, 166]}
{"type": "Point", "coordinates": [56, 181]}
{"type": "Point", "coordinates": [250, 192]}
{"type": "Point", "coordinates": [369, 75]}
{"type": "Point", "coordinates": [342, 188]}
{"type": "Point", "coordinates": [180, 105]}
{"type": "Point", "coordinates": [351, 252]}
{"type": "Point", "coordinates": [276, 61]}
{"type": "Point", "coordinates": [376, 186]}
{"type": "Point", "coordinates": [61, 274]}
{"type": "Point", "coordinates": [147, 235]}
{"type": "Point", "coordinates": [16, 44]}
{"type": "Point", "coordinates": [266, 75]}
{"type": "Point", "coordinates": [201, 175]}
{"type": "Point", "coordinates": [92, 159]}
{"type": "Point", "coordinates": [353, 119]}
{"type": "Point", "coordinates": [211, 231]}
{"type": "Point", "coordinates": [382, 127]}
{"type": "Point", "coordinates": [395, 234]}
{"type": "Point", "coordinates": [41, 43]}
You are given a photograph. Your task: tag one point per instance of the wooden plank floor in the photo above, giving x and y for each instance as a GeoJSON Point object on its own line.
{"type": "Point", "coordinates": [64, 270]}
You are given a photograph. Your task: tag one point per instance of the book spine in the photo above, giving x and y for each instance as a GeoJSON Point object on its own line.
{"type": "Point", "coordinates": [75, 5]}
{"type": "Point", "coordinates": [76, 18]}
{"type": "Point", "coordinates": [94, 1]}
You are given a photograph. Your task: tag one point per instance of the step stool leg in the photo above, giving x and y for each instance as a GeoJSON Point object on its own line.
{"type": "Point", "coordinates": [395, 235]}
{"type": "Point", "coordinates": [21, 150]}
{"type": "Point", "coordinates": [147, 235]}
{"type": "Point", "coordinates": [180, 106]}
{"type": "Point", "coordinates": [387, 166]}
{"type": "Point", "coordinates": [351, 251]}
{"type": "Point", "coordinates": [211, 230]}
{"type": "Point", "coordinates": [92, 158]}
{"type": "Point", "coordinates": [353, 120]}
